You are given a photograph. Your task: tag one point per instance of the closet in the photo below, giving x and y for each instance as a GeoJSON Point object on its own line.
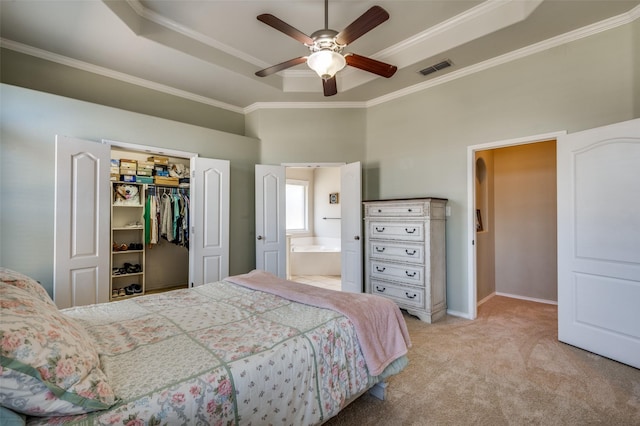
{"type": "Point", "coordinates": [156, 223]}
{"type": "Point", "coordinates": [88, 225]}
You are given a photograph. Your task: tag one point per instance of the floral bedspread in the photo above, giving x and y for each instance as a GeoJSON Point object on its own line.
{"type": "Point", "coordinates": [220, 354]}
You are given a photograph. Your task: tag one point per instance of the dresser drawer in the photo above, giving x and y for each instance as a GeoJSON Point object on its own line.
{"type": "Point", "coordinates": [407, 231]}
{"type": "Point", "coordinates": [411, 274]}
{"type": "Point", "coordinates": [397, 251]}
{"type": "Point", "coordinates": [407, 209]}
{"type": "Point", "coordinates": [403, 296]}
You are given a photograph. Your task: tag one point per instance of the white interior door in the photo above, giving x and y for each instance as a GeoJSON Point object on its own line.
{"type": "Point", "coordinates": [81, 235]}
{"type": "Point", "coordinates": [209, 233]}
{"type": "Point", "coordinates": [270, 219]}
{"type": "Point", "coordinates": [351, 226]}
{"type": "Point", "coordinates": [599, 241]}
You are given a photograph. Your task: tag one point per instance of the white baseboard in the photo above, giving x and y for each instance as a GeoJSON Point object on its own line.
{"type": "Point", "coordinates": [486, 298]}
{"type": "Point", "coordinates": [531, 299]}
{"type": "Point", "coordinates": [458, 314]}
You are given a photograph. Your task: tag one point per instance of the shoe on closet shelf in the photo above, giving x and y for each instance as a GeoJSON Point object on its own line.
{"type": "Point", "coordinates": [132, 269]}
{"type": "Point", "coordinates": [120, 247]}
{"type": "Point", "coordinates": [114, 293]}
{"type": "Point", "coordinates": [122, 292]}
{"type": "Point", "coordinates": [137, 288]}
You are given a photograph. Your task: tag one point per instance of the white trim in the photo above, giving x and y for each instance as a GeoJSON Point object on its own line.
{"type": "Point", "coordinates": [106, 72]}
{"type": "Point", "coordinates": [302, 105]}
{"type": "Point", "coordinates": [150, 149]}
{"type": "Point", "coordinates": [172, 25]}
{"type": "Point", "coordinates": [560, 40]}
{"type": "Point", "coordinates": [530, 299]}
{"type": "Point", "coordinates": [486, 299]}
{"type": "Point", "coordinates": [459, 314]}
{"type": "Point", "coordinates": [571, 36]}
{"type": "Point", "coordinates": [312, 165]}
{"type": "Point", "coordinates": [471, 206]}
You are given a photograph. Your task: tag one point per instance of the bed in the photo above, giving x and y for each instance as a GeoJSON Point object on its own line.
{"type": "Point", "coordinates": [252, 349]}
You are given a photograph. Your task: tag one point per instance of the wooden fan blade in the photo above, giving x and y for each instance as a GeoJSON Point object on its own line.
{"type": "Point", "coordinates": [330, 86]}
{"type": "Point", "coordinates": [282, 26]}
{"type": "Point", "coordinates": [282, 66]}
{"type": "Point", "coordinates": [365, 23]}
{"type": "Point", "coordinates": [371, 65]}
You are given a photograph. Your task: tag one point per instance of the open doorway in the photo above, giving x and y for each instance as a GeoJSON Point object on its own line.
{"type": "Point", "coordinates": [313, 222]}
{"type": "Point", "coordinates": [513, 217]}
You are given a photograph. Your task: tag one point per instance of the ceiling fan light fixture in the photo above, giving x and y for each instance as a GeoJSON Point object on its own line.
{"type": "Point", "coordinates": [326, 63]}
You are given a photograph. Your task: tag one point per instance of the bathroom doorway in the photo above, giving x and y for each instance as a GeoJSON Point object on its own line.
{"type": "Point", "coordinates": [313, 222]}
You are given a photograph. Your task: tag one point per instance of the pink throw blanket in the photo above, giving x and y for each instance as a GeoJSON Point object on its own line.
{"type": "Point", "coordinates": [378, 322]}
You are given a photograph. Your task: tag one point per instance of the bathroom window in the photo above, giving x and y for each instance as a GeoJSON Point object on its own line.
{"type": "Point", "coordinates": [297, 205]}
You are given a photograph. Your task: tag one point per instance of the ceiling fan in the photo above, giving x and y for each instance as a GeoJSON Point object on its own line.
{"type": "Point", "coordinates": [326, 46]}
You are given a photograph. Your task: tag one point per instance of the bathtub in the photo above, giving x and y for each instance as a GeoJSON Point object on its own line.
{"type": "Point", "coordinates": [314, 256]}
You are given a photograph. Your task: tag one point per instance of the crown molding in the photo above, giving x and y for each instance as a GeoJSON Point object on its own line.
{"type": "Point", "coordinates": [303, 105]}
{"type": "Point", "coordinates": [560, 40]}
{"type": "Point", "coordinates": [172, 25]}
{"type": "Point", "coordinates": [105, 72]}
{"type": "Point", "coordinates": [578, 34]}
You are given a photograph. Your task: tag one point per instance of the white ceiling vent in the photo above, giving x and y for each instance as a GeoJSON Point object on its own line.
{"type": "Point", "coordinates": [437, 67]}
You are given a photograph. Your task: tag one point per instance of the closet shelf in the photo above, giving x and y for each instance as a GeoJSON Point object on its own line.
{"type": "Point", "coordinates": [128, 205]}
{"type": "Point", "coordinates": [127, 228]}
{"type": "Point", "coordinates": [126, 251]}
{"type": "Point", "coordinates": [126, 275]}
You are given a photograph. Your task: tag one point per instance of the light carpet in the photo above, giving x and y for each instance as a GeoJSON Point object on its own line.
{"type": "Point", "coordinates": [507, 367]}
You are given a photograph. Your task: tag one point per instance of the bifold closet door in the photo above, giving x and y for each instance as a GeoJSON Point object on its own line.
{"type": "Point", "coordinates": [81, 235]}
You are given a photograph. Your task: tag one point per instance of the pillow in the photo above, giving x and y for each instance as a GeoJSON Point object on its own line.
{"type": "Point", "coordinates": [48, 364]}
{"type": "Point", "coordinates": [9, 418]}
{"type": "Point", "coordinates": [27, 283]}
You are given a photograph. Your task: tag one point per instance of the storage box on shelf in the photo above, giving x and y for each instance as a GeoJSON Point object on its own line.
{"type": "Point", "coordinates": [405, 254]}
{"type": "Point", "coordinates": [166, 181]}
{"type": "Point", "coordinates": [127, 242]}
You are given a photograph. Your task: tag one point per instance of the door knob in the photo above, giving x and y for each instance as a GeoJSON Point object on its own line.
{"type": "Point", "coordinates": [259, 237]}
{"type": "Point", "coordinates": [357, 237]}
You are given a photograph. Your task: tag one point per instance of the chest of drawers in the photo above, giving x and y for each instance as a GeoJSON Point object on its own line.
{"type": "Point", "coordinates": [405, 257]}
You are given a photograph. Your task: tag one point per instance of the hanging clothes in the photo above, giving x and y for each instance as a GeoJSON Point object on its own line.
{"type": "Point", "coordinates": [168, 215]}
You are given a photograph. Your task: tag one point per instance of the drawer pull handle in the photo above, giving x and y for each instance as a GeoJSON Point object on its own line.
{"type": "Point", "coordinates": [379, 211]}
{"type": "Point", "coordinates": [409, 232]}
{"type": "Point", "coordinates": [380, 249]}
{"type": "Point", "coordinates": [379, 269]}
{"type": "Point", "coordinates": [410, 274]}
{"type": "Point", "coordinates": [410, 210]}
{"type": "Point", "coordinates": [379, 229]}
{"type": "Point", "coordinates": [380, 289]}
{"type": "Point", "coordinates": [412, 253]}
{"type": "Point", "coordinates": [409, 296]}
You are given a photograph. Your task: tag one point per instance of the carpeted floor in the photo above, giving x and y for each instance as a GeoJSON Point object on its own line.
{"type": "Point", "coordinates": [507, 367]}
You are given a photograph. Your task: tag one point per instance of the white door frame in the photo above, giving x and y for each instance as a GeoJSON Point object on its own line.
{"type": "Point", "coordinates": [472, 309]}
{"type": "Point", "coordinates": [150, 149]}
{"type": "Point", "coordinates": [192, 157]}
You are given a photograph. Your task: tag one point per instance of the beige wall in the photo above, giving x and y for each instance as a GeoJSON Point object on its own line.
{"type": "Point", "coordinates": [413, 146]}
{"type": "Point", "coordinates": [485, 239]}
{"type": "Point", "coordinates": [327, 181]}
{"type": "Point", "coordinates": [309, 135]}
{"type": "Point", "coordinates": [635, 35]}
{"type": "Point", "coordinates": [29, 122]}
{"type": "Point", "coordinates": [525, 221]}
{"type": "Point", "coordinates": [418, 145]}
{"type": "Point", "coordinates": [22, 70]}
